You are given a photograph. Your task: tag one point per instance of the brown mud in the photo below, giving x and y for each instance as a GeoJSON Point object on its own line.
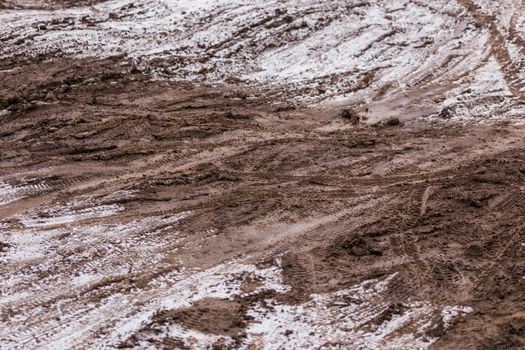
{"type": "Point", "coordinates": [340, 200]}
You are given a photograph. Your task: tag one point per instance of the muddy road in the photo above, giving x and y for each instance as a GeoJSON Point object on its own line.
{"type": "Point", "coordinates": [179, 175]}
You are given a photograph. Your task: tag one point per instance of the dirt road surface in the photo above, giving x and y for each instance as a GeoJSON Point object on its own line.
{"type": "Point", "coordinates": [262, 175]}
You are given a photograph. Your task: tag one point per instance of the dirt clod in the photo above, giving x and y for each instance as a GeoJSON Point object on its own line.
{"type": "Point", "coordinates": [350, 115]}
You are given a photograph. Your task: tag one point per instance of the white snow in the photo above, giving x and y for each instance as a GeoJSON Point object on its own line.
{"type": "Point", "coordinates": [451, 312]}
{"type": "Point", "coordinates": [66, 215]}
{"type": "Point", "coordinates": [317, 51]}
{"type": "Point", "coordinates": [341, 320]}
{"type": "Point", "coordinates": [10, 193]}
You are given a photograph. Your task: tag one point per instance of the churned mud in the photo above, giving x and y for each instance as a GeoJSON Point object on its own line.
{"type": "Point", "coordinates": [218, 196]}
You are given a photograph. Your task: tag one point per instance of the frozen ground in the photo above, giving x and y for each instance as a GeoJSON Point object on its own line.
{"type": "Point", "coordinates": [179, 174]}
{"type": "Point", "coordinates": [376, 55]}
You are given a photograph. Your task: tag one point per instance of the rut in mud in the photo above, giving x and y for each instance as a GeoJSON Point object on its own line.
{"type": "Point", "coordinates": [116, 192]}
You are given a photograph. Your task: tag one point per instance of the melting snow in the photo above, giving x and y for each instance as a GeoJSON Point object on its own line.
{"type": "Point", "coordinates": [65, 215]}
